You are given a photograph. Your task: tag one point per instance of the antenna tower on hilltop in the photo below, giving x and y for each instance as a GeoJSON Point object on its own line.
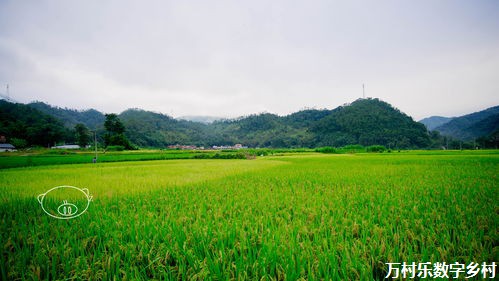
{"type": "Point", "coordinates": [6, 96]}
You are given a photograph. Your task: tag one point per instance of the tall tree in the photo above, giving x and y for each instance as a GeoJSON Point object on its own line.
{"type": "Point", "coordinates": [115, 132]}
{"type": "Point", "coordinates": [82, 134]}
{"type": "Point", "coordinates": [113, 124]}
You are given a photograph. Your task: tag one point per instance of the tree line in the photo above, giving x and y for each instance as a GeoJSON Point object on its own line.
{"type": "Point", "coordinates": [23, 126]}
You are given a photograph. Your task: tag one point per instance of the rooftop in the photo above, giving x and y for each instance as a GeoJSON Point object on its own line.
{"type": "Point", "coordinates": [6, 145]}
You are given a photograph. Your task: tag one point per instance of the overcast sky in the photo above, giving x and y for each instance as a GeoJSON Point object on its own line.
{"type": "Point", "coordinates": [233, 58]}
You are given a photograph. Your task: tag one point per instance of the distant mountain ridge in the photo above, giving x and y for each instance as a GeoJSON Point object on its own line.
{"type": "Point", "coordinates": [472, 126]}
{"type": "Point", "coordinates": [364, 121]}
{"type": "Point", "coordinates": [70, 117]}
{"type": "Point", "coordinates": [146, 128]}
{"type": "Point", "coordinates": [435, 121]}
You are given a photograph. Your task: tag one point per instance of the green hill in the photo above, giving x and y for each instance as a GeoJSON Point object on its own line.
{"type": "Point", "coordinates": [262, 130]}
{"type": "Point", "coordinates": [370, 122]}
{"type": "Point", "coordinates": [91, 118]}
{"type": "Point", "coordinates": [24, 125]}
{"type": "Point", "coordinates": [146, 128]}
{"type": "Point", "coordinates": [471, 126]}
{"type": "Point", "coordinates": [364, 121]}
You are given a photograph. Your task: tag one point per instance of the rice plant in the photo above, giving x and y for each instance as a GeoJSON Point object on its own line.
{"type": "Point", "coordinates": [298, 216]}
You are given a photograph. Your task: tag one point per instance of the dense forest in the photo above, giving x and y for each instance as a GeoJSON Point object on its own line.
{"type": "Point", "coordinates": [23, 125]}
{"type": "Point", "coordinates": [364, 121]}
{"type": "Point", "coordinates": [472, 126]}
{"type": "Point", "coordinates": [91, 118]}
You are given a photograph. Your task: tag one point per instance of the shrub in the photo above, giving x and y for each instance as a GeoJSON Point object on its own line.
{"type": "Point", "coordinates": [353, 148]}
{"type": "Point", "coordinates": [18, 143]}
{"type": "Point", "coordinates": [258, 152]}
{"type": "Point", "coordinates": [229, 156]}
{"type": "Point", "coordinates": [59, 152]}
{"type": "Point", "coordinates": [326, 149]}
{"type": "Point", "coordinates": [115, 148]}
{"type": "Point", "coordinates": [202, 156]}
{"type": "Point", "coordinates": [222, 155]}
{"type": "Point", "coordinates": [375, 148]}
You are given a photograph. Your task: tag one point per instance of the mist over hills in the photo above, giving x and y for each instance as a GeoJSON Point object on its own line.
{"type": "Point", "coordinates": [364, 121]}
{"type": "Point", "coordinates": [435, 121]}
{"type": "Point", "coordinates": [201, 118]}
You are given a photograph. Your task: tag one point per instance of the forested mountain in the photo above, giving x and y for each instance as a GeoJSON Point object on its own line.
{"type": "Point", "coordinates": [145, 128]}
{"type": "Point", "coordinates": [262, 130]}
{"type": "Point", "coordinates": [471, 126]}
{"type": "Point", "coordinates": [364, 121]}
{"type": "Point", "coordinates": [369, 122]}
{"type": "Point", "coordinates": [305, 118]}
{"type": "Point", "coordinates": [24, 125]}
{"type": "Point", "coordinates": [91, 118]}
{"type": "Point", "coordinates": [434, 121]}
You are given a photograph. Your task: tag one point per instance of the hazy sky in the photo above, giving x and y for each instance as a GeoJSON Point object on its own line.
{"type": "Point", "coordinates": [232, 58]}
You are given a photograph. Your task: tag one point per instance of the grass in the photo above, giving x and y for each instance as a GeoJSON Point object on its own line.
{"type": "Point", "coordinates": [44, 157]}
{"type": "Point", "coordinates": [306, 215]}
{"type": "Point", "coordinates": [23, 159]}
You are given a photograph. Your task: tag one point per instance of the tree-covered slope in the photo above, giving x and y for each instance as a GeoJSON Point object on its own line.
{"type": "Point", "coordinates": [305, 118]}
{"type": "Point", "coordinates": [262, 130]}
{"type": "Point", "coordinates": [91, 118]}
{"type": "Point", "coordinates": [365, 121]}
{"type": "Point", "coordinates": [24, 125]}
{"type": "Point", "coordinates": [146, 128]}
{"type": "Point", "coordinates": [471, 126]}
{"type": "Point", "coordinates": [370, 122]}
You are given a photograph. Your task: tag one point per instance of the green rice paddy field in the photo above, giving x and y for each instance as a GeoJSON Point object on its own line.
{"type": "Point", "coordinates": [296, 216]}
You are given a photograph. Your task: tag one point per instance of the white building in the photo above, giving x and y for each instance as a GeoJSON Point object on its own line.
{"type": "Point", "coordinates": [7, 147]}
{"type": "Point", "coordinates": [66, 146]}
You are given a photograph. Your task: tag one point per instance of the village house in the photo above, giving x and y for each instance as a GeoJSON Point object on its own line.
{"type": "Point", "coordinates": [7, 147]}
{"type": "Point", "coordinates": [66, 146]}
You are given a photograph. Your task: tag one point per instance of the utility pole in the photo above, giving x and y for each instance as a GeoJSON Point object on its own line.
{"type": "Point", "coordinates": [95, 146]}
